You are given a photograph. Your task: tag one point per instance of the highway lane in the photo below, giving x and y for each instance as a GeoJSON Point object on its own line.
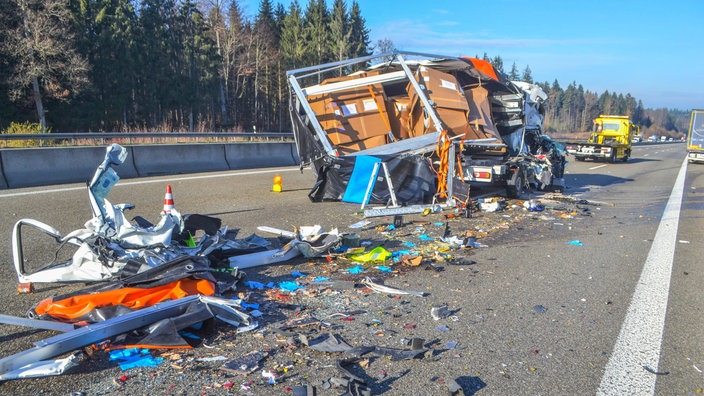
{"type": "Point", "coordinates": [512, 347]}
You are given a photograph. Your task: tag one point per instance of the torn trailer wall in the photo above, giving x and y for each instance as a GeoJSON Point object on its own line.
{"type": "Point", "coordinates": [494, 123]}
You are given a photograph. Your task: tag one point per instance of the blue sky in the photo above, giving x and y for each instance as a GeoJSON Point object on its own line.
{"type": "Point", "coordinates": [653, 50]}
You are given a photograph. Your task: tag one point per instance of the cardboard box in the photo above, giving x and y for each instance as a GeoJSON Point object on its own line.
{"type": "Point", "coordinates": [397, 108]}
{"type": "Point", "coordinates": [448, 99]}
{"type": "Point", "coordinates": [352, 114]}
{"type": "Point", "coordinates": [480, 114]}
{"type": "Point", "coordinates": [353, 147]}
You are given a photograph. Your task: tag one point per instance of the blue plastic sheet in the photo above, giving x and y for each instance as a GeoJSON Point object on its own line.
{"type": "Point", "coordinates": [258, 285]}
{"type": "Point", "coordinates": [289, 286]}
{"type": "Point", "coordinates": [356, 269]}
{"type": "Point", "coordinates": [134, 357]}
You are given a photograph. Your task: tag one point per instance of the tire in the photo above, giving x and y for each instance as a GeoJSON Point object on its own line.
{"type": "Point", "coordinates": [612, 157]}
{"type": "Point", "coordinates": [580, 159]}
{"type": "Point", "coordinates": [626, 155]}
{"type": "Point", "coordinates": [517, 186]}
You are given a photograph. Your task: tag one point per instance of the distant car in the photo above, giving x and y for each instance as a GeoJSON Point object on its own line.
{"type": "Point", "coordinates": [637, 139]}
{"type": "Point", "coordinates": [653, 138]}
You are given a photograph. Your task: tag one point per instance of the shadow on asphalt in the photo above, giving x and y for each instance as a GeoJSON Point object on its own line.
{"type": "Point", "coordinates": [471, 385]}
{"type": "Point", "coordinates": [630, 161]}
{"type": "Point", "coordinates": [581, 182]}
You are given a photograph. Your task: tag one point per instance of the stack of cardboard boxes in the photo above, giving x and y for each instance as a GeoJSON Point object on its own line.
{"type": "Point", "coordinates": [359, 118]}
{"type": "Point", "coordinates": [354, 118]}
{"type": "Point", "coordinates": [446, 97]}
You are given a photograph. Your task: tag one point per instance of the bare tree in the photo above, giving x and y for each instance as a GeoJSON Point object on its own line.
{"type": "Point", "coordinates": [47, 64]}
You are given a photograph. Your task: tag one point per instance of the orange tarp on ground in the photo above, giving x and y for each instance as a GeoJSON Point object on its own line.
{"type": "Point", "coordinates": [131, 297]}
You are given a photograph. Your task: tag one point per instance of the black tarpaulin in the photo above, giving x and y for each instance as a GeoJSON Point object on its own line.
{"type": "Point", "coordinates": [412, 176]}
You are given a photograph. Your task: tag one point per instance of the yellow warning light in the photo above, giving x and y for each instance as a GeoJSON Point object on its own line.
{"type": "Point", "coordinates": [277, 184]}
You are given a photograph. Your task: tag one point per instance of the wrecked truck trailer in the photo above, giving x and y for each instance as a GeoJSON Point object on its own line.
{"type": "Point", "coordinates": [432, 120]}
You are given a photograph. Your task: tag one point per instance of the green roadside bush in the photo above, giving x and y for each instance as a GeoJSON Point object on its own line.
{"type": "Point", "coordinates": [17, 128]}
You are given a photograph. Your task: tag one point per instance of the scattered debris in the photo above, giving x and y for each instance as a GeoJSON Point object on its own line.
{"type": "Point", "coordinates": [245, 364]}
{"type": "Point", "coordinates": [156, 288]}
{"type": "Point", "coordinates": [540, 309]}
{"type": "Point", "coordinates": [389, 290]}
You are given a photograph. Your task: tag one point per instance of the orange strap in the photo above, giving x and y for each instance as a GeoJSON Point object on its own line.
{"type": "Point", "coordinates": [443, 152]}
{"type": "Point", "coordinates": [458, 161]}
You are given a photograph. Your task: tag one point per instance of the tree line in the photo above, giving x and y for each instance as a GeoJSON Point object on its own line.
{"type": "Point", "coordinates": [130, 65]}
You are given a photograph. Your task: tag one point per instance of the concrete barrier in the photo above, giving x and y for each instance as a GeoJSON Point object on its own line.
{"type": "Point", "coordinates": [31, 167]}
{"type": "Point", "coordinates": [172, 159]}
{"type": "Point", "coordinates": [259, 155]}
{"type": "Point", "coordinates": [3, 179]}
{"type": "Point", "coordinates": [45, 166]}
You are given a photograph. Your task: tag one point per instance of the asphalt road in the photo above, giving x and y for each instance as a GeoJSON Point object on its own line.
{"type": "Point", "coordinates": [535, 315]}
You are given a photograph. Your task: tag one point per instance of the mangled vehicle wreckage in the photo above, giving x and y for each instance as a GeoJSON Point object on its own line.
{"type": "Point", "coordinates": [111, 247]}
{"type": "Point", "coordinates": [434, 126]}
{"type": "Point", "coordinates": [155, 280]}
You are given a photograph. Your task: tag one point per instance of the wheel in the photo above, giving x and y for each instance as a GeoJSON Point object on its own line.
{"type": "Point", "coordinates": [579, 158]}
{"type": "Point", "coordinates": [626, 155]}
{"type": "Point", "coordinates": [517, 186]}
{"type": "Point", "coordinates": [612, 157]}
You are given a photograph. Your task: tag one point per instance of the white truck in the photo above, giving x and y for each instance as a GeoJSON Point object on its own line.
{"type": "Point", "coordinates": [408, 110]}
{"type": "Point", "coordinates": [695, 137]}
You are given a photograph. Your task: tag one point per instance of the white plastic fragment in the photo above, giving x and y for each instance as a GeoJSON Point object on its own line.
{"type": "Point", "coordinates": [42, 368]}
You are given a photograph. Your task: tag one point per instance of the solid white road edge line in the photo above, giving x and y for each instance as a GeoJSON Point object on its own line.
{"type": "Point", "coordinates": [638, 344]}
{"type": "Point", "coordinates": [124, 184]}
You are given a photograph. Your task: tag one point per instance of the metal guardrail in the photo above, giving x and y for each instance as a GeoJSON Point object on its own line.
{"type": "Point", "coordinates": [146, 137]}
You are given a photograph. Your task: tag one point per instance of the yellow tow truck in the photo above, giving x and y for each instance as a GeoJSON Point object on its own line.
{"type": "Point", "coordinates": [610, 140]}
{"type": "Point", "coordinates": [695, 137]}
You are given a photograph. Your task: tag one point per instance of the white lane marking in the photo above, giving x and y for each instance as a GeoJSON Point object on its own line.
{"type": "Point", "coordinates": [125, 184]}
{"type": "Point", "coordinates": [638, 344]}
{"type": "Point", "coordinates": [597, 167]}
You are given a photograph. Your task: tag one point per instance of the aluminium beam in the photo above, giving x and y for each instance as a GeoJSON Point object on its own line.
{"type": "Point", "coordinates": [36, 323]}
{"type": "Point", "coordinates": [84, 336]}
{"type": "Point", "coordinates": [303, 101]}
{"type": "Point", "coordinates": [356, 83]}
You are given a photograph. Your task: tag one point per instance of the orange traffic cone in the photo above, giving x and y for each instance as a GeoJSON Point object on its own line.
{"type": "Point", "coordinates": [168, 200]}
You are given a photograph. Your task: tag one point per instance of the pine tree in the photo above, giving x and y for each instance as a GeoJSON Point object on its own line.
{"type": "Point", "coordinates": [513, 74]}
{"type": "Point", "coordinates": [236, 65]}
{"type": "Point", "coordinates": [316, 22]}
{"type": "Point", "coordinates": [216, 16]}
{"type": "Point", "coordinates": [106, 32]}
{"type": "Point", "coordinates": [359, 34]}
{"type": "Point", "coordinates": [340, 32]}
{"type": "Point", "coordinates": [199, 68]}
{"type": "Point", "coordinates": [266, 53]}
{"type": "Point", "coordinates": [498, 64]}
{"type": "Point", "coordinates": [527, 75]}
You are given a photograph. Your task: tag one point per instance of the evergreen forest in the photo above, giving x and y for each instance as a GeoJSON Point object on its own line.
{"type": "Point", "coordinates": [202, 65]}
